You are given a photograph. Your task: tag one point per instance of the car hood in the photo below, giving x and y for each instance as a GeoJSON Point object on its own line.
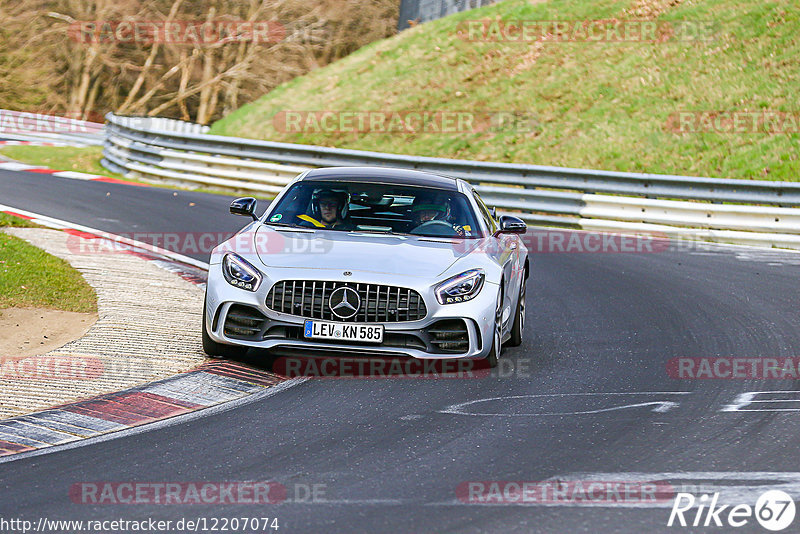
{"type": "Point", "coordinates": [354, 251]}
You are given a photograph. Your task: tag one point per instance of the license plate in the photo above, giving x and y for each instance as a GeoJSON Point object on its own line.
{"type": "Point", "coordinates": [367, 333]}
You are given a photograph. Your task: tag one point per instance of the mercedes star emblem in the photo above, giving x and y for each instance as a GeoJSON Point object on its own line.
{"type": "Point", "coordinates": [344, 302]}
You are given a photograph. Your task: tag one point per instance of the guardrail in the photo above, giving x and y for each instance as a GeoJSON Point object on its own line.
{"type": "Point", "coordinates": [739, 211]}
{"type": "Point", "coordinates": [418, 11]}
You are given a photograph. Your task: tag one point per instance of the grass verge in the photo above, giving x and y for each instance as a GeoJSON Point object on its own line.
{"type": "Point", "coordinates": [602, 105]}
{"type": "Point", "coordinates": [63, 158]}
{"type": "Point", "coordinates": [29, 277]}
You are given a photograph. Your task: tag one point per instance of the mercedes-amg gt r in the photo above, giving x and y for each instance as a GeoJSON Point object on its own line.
{"type": "Point", "coordinates": [369, 261]}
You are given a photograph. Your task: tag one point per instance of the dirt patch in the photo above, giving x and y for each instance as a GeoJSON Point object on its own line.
{"type": "Point", "coordinates": [26, 332]}
{"type": "Point", "coordinates": [650, 9]}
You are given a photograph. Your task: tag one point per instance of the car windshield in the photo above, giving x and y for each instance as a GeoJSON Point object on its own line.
{"type": "Point", "coordinates": [376, 208]}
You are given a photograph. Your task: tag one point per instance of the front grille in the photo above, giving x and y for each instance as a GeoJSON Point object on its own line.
{"type": "Point", "coordinates": [379, 303]}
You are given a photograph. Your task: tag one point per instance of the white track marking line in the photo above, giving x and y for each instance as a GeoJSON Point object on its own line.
{"type": "Point", "coordinates": [661, 406]}
{"type": "Point", "coordinates": [15, 166]}
{"type": "Point", "coordinates": [59, 224]}
{"type": "Point", "coordinates": [75, 175]}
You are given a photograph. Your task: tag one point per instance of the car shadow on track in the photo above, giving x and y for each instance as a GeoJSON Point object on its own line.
{"type": "Point", "coordinates": [295, 364]}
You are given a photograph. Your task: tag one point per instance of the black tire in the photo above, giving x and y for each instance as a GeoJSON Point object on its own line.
{"type": "Point", "coordinates": [497, 339]}
{"type": "Point", "coordinates": [518, 328]}
{"type": "Point", "coordinates": [219, 350]}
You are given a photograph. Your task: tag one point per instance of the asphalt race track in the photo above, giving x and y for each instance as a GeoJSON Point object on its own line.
{"type": "Point", "coordinates": [586, 397]}
{"type": "Point", "coordinates": [120, 208]}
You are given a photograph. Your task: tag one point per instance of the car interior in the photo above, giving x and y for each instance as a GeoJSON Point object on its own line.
{"type": "Point", "coordinates": [380, 208]}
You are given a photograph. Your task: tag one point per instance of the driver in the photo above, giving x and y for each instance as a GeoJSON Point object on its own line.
{"type": "Point", "coordinates": [426, 209]}
{"type": "Point", "coordinates": [328, 210]}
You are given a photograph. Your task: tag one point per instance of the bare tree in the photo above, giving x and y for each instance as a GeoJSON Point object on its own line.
{"type": "Point", "coordinates": [67, 56]}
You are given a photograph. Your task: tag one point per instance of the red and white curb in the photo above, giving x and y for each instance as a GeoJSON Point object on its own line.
{"type": "Point", "coordinates": [212, 384]}
{"type": "Point", "coordinates": [32, 143]}
{"type": "Point", "coordinates": [74, 175]}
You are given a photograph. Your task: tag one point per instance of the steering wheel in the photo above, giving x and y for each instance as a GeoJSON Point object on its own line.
{"type": "Point", "coordinates": [437, 228]}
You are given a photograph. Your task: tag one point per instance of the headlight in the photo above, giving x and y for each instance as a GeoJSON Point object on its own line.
{"type": "Point", "coordinates": [460, 288]}
{"type": "Point", "coordinates": [240, 273]}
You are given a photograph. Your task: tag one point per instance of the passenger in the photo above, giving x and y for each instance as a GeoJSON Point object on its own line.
{"type": "Point", "coordinates": [428, 209]}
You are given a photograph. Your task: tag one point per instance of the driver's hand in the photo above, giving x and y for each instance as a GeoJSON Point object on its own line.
{"type": "Point", "coordinates": [459, 230]}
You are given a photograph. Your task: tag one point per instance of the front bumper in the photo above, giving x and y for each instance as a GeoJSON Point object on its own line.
{"type": "Point", "coordinates": [238, 317]}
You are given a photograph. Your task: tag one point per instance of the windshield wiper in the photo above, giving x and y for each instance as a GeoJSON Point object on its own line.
{"type": "Point", "coordinates": [370, 229]}
{"type": "Point", "coordinates": [290, 227]}
{"type": "Point", "coordinates": [383, 234]}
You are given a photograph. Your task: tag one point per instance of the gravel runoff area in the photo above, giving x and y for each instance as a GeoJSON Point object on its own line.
{"type": "Point", "coordinates": [148, 328]}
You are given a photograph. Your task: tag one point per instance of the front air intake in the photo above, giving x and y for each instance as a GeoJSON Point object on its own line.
{"type": "Point", "coordinates": [244, 322]}
{"type": "Point", "coordinates": [449, 336]}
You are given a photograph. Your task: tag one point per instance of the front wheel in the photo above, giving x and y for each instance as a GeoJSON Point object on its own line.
{"type": "Point", "coordinates": [517, 329]}
{"type": "Point", "coordinates": [219, 350]}
{"type": "Point", "coordinates": [497, 334]}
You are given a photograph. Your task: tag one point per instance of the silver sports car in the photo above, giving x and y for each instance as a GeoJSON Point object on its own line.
{"type": "Point", "coordinates": [369, 261]}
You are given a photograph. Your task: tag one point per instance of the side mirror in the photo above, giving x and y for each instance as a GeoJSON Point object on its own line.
{"type": "Point", "coordinates": [511, 225]}
{"type": "Point", "coordinates": [244, 206]}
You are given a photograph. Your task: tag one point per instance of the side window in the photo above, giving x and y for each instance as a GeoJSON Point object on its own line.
{"type": "Point", "coordinates": [487, 217]}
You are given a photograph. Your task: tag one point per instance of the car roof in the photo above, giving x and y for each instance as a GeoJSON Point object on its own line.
{"type": "Point", "coordinates": [382, 175]}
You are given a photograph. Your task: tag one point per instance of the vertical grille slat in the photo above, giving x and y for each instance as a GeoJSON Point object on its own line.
{"type": "Point", "coordinates": [313, 300]}
{"type": "Point", "coordinates": [361, 316]}
{"type": "Point", "coordinates": [397, 305]}
{"type": "Point", "coordinates": [324, 299]}
{"type": "Point", "coordinates": [379, 303]}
